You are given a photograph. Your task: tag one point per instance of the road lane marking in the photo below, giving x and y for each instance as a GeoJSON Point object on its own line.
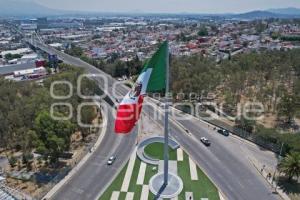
{"type": "Point", "coordinates": [128, 173]}
{"type": "Point", "coordinates": [193, 170]}
{"type": "Point", "coordinates": [145, 192]}
{"type": "Point", "coordinates": [141, 176]}
{"type": "Point", "coordinates": [78, 190]}
{"type": "Point", "coordinates": [129, 196]}
{"type": "Point", "coordinates": [179, 154]}
{"type": "Point", "coordinates": [115, 195]}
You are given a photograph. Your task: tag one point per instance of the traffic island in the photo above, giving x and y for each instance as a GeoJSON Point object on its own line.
{"type": "Point", "coordinates": [171, 190]}
{"type": "Point", "coordinates": [194, 181]}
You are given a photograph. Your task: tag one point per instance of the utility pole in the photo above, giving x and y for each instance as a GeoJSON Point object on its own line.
{"type": "Point", "coordinates": [166, 130]}
{"type": "Point", "coordinates": [277, 166]}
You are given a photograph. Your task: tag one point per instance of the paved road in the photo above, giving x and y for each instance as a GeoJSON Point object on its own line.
{"type": "Point", "coordinates": [92, 178]}
{"type": "Point", "coordinates": [225, 162]}
{"type": "Point", "coordinates": [95, 173]}
{"type": "Point", "coordinates": [8, 69]}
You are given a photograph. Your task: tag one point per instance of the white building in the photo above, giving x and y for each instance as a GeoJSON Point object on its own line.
{"type": "Point", "coordinates": [21, 51]}
{"type": "Point", "coordinates": [39, 71]}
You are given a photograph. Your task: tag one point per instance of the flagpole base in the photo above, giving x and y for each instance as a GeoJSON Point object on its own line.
{"type": "Point", "coordinates": [160, 190]}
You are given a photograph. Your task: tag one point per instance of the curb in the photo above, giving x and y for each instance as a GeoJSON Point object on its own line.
{"type": "Point", "coordinates": [55, 189]}
{"type": "Point", "coordinates": [114, 176]}
{"type": "Point", "coordinates": [278, 193]}
{"type": "Point", "coordinates": [221, 194]}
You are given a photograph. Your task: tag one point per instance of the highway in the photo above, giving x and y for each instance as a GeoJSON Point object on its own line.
{"type": "Point", "coordinates": [95, 174]}
{"type": "Point", "coordinates": [8, 69]}
{"type": "Point", "coordinates": [225, 162]}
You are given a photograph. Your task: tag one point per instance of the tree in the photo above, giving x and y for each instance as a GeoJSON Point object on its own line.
{"type": "Point", "coordinates": [287, 107]}
{"type": "Point", "coordinates": [290, 165]}
{"type": "Point", "coordinates": [245, 124]}
{"type": "Point", "coordinates": [203, 31]}
{"type": "Point", "coordinates": [12, 161]}
{"type": "Point", "coordinates": [88, 114]}
{"type": "Point", "coordinates": [10, 56]}
{"type": "Point", "coordinates": [75, 51]}
{"type": "Point", "coordinates": [260, 27]}
{"type": "Point", "coordinates": [54, 136]}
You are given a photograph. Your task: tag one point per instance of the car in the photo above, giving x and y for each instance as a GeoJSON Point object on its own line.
{"type": "Point", "coordinates": [223, 132]}
{"type": "Point", "coordinates": [205, 141]}
{"type": "Point", "coordinates": [111, 160]}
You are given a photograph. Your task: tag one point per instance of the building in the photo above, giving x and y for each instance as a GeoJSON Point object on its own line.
{"type": "Point", "coordinates": [21, 51]}
{"type": "Point", "coordinates": [28, 27]}
{"type": "Point", "coordinates": [42, 23]}
{"type": "Point", "coordinates": [38, 70]}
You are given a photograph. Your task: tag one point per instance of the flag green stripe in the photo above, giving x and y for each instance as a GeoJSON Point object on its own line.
{"type": "Point", "coordinates": [157, 81]}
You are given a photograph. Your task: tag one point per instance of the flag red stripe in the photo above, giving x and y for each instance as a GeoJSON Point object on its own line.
{"type": "Point", "coordinates": [127, 116]}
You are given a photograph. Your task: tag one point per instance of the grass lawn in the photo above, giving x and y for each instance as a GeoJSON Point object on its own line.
{"type": "Point", "coordinates": [202, 188]}
{"type": "Point", "coordinates": [116, 185]}
{"type": "Point", "coordinates": [156, 150]}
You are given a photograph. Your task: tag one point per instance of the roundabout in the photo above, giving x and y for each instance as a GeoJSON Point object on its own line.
{"type": "Point", "coordinates": [143, 175]}
{"type": "Point", "coordinates": [173, 189]}
{"type": "Point", "coordinates": [156, 183]}
{"type": "Point", "coordinates": [152, 140]}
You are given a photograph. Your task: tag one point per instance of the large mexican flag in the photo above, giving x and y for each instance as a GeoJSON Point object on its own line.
{"type": "Point", "coordinates": [152, 79]}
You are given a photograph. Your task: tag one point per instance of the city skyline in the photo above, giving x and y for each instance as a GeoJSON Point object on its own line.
{"type": "Point", "coordinates": [167, 6]}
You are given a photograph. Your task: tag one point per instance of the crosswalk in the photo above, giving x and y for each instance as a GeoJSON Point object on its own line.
{"type": "Point", "coordinates": [140, 179]}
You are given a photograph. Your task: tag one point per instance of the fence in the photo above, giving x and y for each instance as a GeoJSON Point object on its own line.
{"type": "Point", "coordinates": [252, 137]}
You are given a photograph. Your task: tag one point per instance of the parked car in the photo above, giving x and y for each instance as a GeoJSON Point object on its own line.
{"type": "Point", "coordinates": [223, 132]}
{"type": "Point", "coordinates": [111, 160]}
{"type": "Point", "coordinates": [205, 141]}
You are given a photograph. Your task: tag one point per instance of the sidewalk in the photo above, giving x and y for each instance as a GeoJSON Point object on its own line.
{"type": "Point", "coordinates": [265, 171]}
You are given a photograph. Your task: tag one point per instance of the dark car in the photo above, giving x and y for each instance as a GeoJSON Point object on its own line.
{"type": "Point", "coordinates": [223, 132]}
{"type": "Point", "coordinates": [205, 141]}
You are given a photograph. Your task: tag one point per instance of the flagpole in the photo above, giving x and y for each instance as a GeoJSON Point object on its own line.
{"type": "Point", "coordinates": [166, 130]}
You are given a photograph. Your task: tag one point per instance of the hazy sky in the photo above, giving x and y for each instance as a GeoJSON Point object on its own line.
{"type": "Point", "coordinates": [196, 6]}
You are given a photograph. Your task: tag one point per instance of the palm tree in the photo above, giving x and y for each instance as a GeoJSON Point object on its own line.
{"type": "Point", "coordinates": [290, 165]}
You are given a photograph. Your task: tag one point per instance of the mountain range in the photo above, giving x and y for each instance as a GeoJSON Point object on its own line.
{"type": "Point", "coordinates": [28, 8]}
{"type": "Point", "coordinates": [17, 8]}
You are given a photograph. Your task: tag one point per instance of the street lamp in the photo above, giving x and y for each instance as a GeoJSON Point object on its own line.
{"type": "Point", "coordinates": [279, 160]}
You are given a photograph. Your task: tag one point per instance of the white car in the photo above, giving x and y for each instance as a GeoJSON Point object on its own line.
{"type": "Point", "coordinates": [205, 141]}
{"type": "Point", "coordinates": [111, 160]}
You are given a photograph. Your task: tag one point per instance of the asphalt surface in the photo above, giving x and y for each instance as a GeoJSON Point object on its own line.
{"type": "Point", "coordinates": [91, 178]}
{"type": "Point", "coordinates": [226, 161]}
{"type": "Point", "coordinates": [7, 69]}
